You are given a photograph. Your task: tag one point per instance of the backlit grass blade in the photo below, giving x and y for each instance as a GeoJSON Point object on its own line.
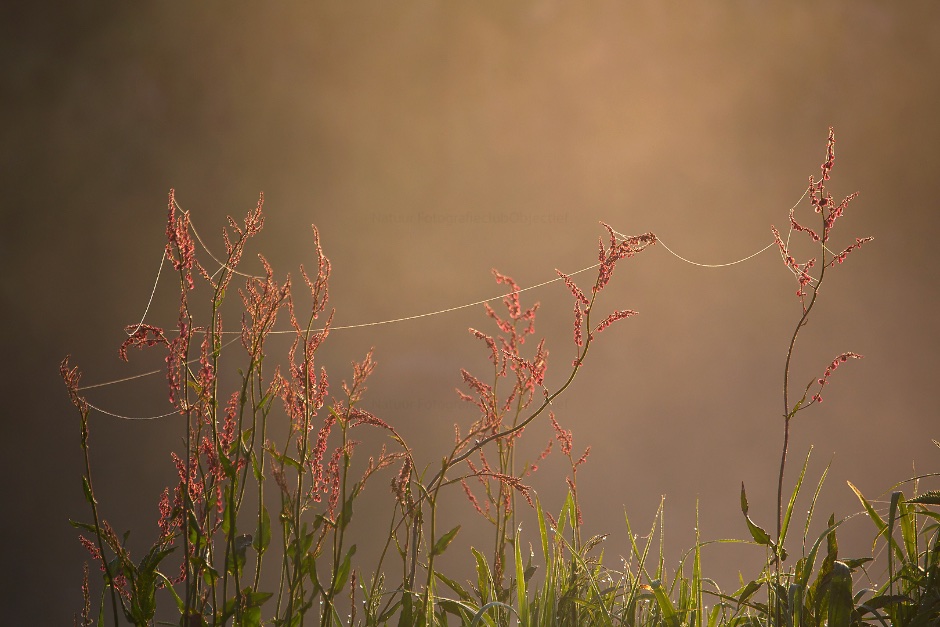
{"type": "Point", "coordinates": [792, 502]}
{"type": "Point", "coordinates": [840, 596]}
{"type": "Point", "coordinates": [879, 522]}
{"type": "Point", "coordinates": [670, 617]}
{"type": "Point", "coordinates": [812, 503]}
{"type": "Point", "coordinates": [521, 585]}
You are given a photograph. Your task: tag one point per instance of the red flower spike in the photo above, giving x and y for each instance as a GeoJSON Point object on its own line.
{"type": "Point", "coordinates": [564, 437]}
{"type": "Point", "coordinates": [614, 317]}
{"type": "Point", "coordinates": [796, 226]}
{"type": "Point", "coordinates": [71, 377]}
{"type": "Point", "coordinates": [142, 335]}
{"type": "Point", "coordinates": [472, 498]}
{"type": "Point", "coordinates": [178, 237]}
{"type": "Point", "coordinates": [583, 457]}
{"type": "Point", "coordinates": [837, 212]}
{"type": "Point", "coordinates": [512, 299]}
{"type": "Point", "coordinates": [254, 221]}
{"type": "Point", "coordinates": [92, 549]}
{"type": "Point", "coordinates": [504, 325]}
{"type": "Point", "coordinates": [824, 380]}
{"type": "Point", "coordinates": [830, 155]}
{"type": "Point", "coordinates": [578, 324]}
{"type": "Point", "coordinates": [165, 523]}
{"type": "Point", "coordinates": [575, 290]}
{"type": "Point", "coordinates": [845, 253]}
{"type": "Point", "coordinates": [319, 287]}
{"type": "Point", "coordinates": [494, 357]}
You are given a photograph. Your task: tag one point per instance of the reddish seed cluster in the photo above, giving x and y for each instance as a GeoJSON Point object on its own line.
{"type": "Point", "coordinates": [564, 437]}
{"type": "Point", "coordinates": [401, 482]}
{"type": "Point", "coordinates": [304, 394]}
{"type": "Point", "coordinates": [205, 378]}
{"type": "Point", "coordinates": [796, 226]}
{"type": "Point", "coordinates": [544, 454]}
{"type": "Point", "coordinates": [535, 369]}
{"type": "Point", "coordinates": [614, 317]}
{"type": "Point", "coordinates": [484, 400]}
{"type": "Point", "coordinates": [824, 379]}
{"type": "Point", "coordinates": [176, 357]}
{"type": "Point", "coordinates": [262, 300]}
{"type": "Point", "coordinates": [481, 475]}
{"type": "Point", "coordinates": [512, 299]}
{"type": "Point", "coordinates": [361, 371]}
{"type": "Point", "coordinates": [578, 325]}
{"type": "Point", "coordinates": [583, 457]}
{"type": "Point", "coordinates": [490, 342]}
{"type": "Point", "coordinates": [615, 252]}
{"type": "Point", "coordinates": [178, 237]}
{"type": "Point", "coordinates": [142, 335]}
{"type": "Point", "coordinates": [213, 469]}
{"type": "Point", "coordinates": [234, 249]}
{"type": "Point", "coordinates": [319, 287]}
{"type": "Point", "coordinates": [845, 253]}
{"type": "Point", "coordinates": [575, 290]}
{"type": "Point", "coordinates": [71, 377]}
{"type": "Point", "coordinates": [167, 523]}
{"type": "Point", "coordinates": [801, 270]}
{"type": "Point", "coordinates": [359, 417]}
{"type": "Point", "coordinates": [473, 499]}
{"type": "Point", "coordinates": [331, 486]}
{"type": "Point", "coordinates": [837, 212]}
{"type": "Point", "coordinates": [316, 460]}
{"type": "Point", "coordinates": [227, 434]}
{"type": "Point", "coordinates": [608, 258]}
{"type": "Point", "coordinates": [194, 483]}
{"type": "Point", "coordinates": [384, 460]}
{"type": "Point", "coordinates": [92, 549]}
{"type": "Point", "coordinates": [826, 167]}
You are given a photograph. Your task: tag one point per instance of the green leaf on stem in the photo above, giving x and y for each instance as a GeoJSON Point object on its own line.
{"type": "Point", "coordinates": [665, 604]}
{"type": "Point", "coordinates": [263, 535]}
{"type": "Point", "coordinates": [760, 536]}
{"type": "Point", "coordinates": [346, 515]}
{"type": "Point", "coordinates": [484, 576]}
{"type": "Point", "coordinates": [235, 559]}
{"type": "Point", "coordinates": [442, 543]}
{"type": "Point", "coordinates": [86, 487]}
{"type": "Point", "coordinates": [456, 587]}
{"type": "Point", "coordinates": [342, 574]}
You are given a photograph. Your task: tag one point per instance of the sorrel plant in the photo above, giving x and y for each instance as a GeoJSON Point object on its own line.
{"type": "Point", "coordinates": [216, 528]}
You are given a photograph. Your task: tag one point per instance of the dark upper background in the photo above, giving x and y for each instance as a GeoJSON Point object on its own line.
{"type": "Point", "coordinates": [390, 127]}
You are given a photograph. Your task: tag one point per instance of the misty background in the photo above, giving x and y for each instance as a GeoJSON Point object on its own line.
{"type": "Point", "coordinates": [430, 142]}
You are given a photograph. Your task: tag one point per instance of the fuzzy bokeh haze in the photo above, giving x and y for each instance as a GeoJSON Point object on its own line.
{"type": "Point", "coordinates": [431, 142]}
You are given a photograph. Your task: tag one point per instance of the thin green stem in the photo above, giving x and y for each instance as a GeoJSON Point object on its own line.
{"type": "Point", "coordinates": [94, 514]}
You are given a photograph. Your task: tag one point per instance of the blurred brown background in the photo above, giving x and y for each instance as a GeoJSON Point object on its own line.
{"type": "Point", "coordinates": [431, 142]}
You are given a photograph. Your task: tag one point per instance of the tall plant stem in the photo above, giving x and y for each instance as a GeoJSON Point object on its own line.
{"type": "Point", "coordinates": [94, 513]}
{"type": "Point", "coordinates": [788, 414]}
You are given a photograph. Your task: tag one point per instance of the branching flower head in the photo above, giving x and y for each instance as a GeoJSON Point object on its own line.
{"type": "Point", "coordinates": [822, 203]}
{"type": "Point", "coordinates": [142, 335]}
{"type": "Point", "coordinates": [71, 377]}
